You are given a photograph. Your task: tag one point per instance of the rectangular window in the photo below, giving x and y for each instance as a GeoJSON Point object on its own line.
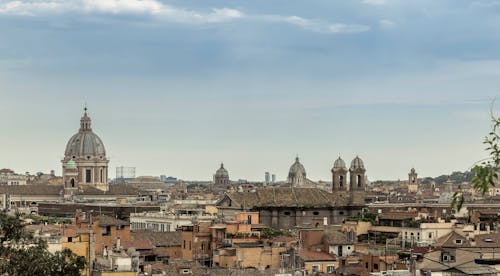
{"type": "Point", "coordinates": [315, 268]}
{"type": "Point", "coordinates": [330, 269]}
{"type": "Point", "coordinates": [88, 176]}
{"type": "Point", "coordinates": [107, 232]}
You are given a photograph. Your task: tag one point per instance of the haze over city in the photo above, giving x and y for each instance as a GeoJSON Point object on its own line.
{"type": "Point", "coordinates": [176, 87]}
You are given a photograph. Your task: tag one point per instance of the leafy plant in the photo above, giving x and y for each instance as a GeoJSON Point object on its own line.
{"type": "Point", "coordinates": [486, 172]}
{"type": "Point", "coordinates": [22, 254]}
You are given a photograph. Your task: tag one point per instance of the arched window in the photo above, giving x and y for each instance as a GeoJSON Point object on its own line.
{"type": "Point", "coordinates": [341, 181]}
{"type": "Point", "coordinates": [359, 180]}
{"type": "Point", "coordinates": [72, 182]}
{"type": "Point", "coordinates": [101, 176]}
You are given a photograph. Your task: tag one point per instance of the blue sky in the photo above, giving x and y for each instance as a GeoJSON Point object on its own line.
{"type": "Point", "coordinates": [175, 87]}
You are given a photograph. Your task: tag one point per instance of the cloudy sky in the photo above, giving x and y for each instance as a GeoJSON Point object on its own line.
{"type": "Point", "coordinates": [176, 87]}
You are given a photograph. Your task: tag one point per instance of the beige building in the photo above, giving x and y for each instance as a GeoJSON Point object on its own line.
{"type": "Point", "coordinates": [8, 177]}
{"type": "Point", "coordinates": [85, 162]}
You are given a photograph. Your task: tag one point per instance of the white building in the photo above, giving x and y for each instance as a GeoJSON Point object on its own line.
{"type": "Point", "coordinates": [167, 221]}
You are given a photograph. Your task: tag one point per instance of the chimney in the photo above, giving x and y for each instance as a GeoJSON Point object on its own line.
{"type": "Point", "coordinates": [118, 243]}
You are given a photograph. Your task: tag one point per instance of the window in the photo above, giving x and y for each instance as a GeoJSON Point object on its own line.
{"type": "Point", "coordinates": [249, 219]}
{"type": "Point", "coordinates": [458, 241]}
{"type": "Point", "coordinates": [184, 244]}
{"type": "Point", "coordinates": [88, 175]}
{"type": "Point", "coordinates": [100, 176]}
{"type": "Point", "coordinates": [359, 180]}
{"type": "Point", "coordinates": [315, 213]}
{"type": "Point", "coordinates": [330, 269]}
{"type": "Point", "coordinates": [341, 181]}
{"type": "Point", "coordinates": [315, 268]}
{"type": "Point", "coordinates": [70, 239]}
{"type": "Point", "coordinates": [287, 213]}
{"type": "Point", "coordinates": [430, 235]}
{"type": "Point", "coordinates": [108, 231]}
{"type": "Point", "coordinates": [375, 266]}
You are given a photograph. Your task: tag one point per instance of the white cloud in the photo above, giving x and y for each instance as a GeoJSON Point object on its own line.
{"type": "Point", "coordinates": [375, 2]}
{"type": "Point", "coordinates": [123, 6]}
{"type": "Point", "coordinates": [386, 23]}
{"type": "Point", "coordinates": [163, 11]}
{"type": "Point", "coordinates": [315, 25]}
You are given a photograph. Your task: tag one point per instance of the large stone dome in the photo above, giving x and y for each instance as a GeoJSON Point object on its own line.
{"type": "Point", "coordinates": [297, 169]}
{"type": "Point", "coordinates": [221, 172]}
{"type": "Point", "coordinates": [85, 143]}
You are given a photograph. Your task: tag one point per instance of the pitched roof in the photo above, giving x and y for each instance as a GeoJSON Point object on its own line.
{"type": "Point", "coordinates": [32, 190]}
{"type": "Point", "coordinates": [487, 240]}
{"type": "Point", "coordinates": [336, 237]}
{"type": "Point", "coordinates": [117, 189]}
{"type": "Point", "coordinates": [450, 240]}
{"type": "Point", "coordinates": [287, 197]}
{"type": "Point", "coordinates": [159, 239]}
{"type": "Point", "coordinates": [137, 244]}
{"type": "Point", "coordinates": [432, 260]}
{"type": "Point", "coordinates": [109, 221]}
{"type": "Point", "coordinates": [472, 268]}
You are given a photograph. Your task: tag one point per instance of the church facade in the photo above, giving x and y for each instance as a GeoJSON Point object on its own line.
{"type": "Point", "coordinates": [85, 162]}
{"type": "Point", "coordinates": [299, 204]}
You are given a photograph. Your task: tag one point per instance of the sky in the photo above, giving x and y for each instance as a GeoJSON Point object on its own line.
{"type": "Point", "coordinates": [176, 87]}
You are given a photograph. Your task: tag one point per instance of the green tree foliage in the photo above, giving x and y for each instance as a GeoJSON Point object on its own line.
{"type": "Point", "coordinates": [22, 254]}
{"type": "Point", "coordinates": [271, 232]}
{"type": "Point", "coordinates": [486, 172]}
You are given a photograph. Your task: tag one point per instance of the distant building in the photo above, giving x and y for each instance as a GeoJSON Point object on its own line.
{"type": "Point", "coordinates": [357, 184]}
{"type": "Point", "coordinates": [273, 178]}
{"type": "Point", "coordinates": [412, 181]}
{"type": "Point", "coordinates": [168, 179]}
{"type": "Point", "coordinates": [267, 178]}
{"type": "Point", "coordinates": [8, 177]}
{"type": "Point", "coordinates": [85, 162]}
{"type": "Point", "coordinates": [221, 176]}
{"type": "Point", "coordinates": [297, 174]}
{"type": "Point", "coordinates": [125, 172]}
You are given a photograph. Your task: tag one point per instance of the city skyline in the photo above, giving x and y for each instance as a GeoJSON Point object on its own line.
{"type": "Point", "coordinates": [177, 87]}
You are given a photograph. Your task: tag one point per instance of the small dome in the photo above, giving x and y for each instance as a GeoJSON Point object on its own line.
{"type": "Point", "coordinates": [221, 172]}
{"type": "Point", "coordinates": [357, 163]}
{"type": "Point", "coordinates": [339, 164]}
{"type": "Point", "coordinates": [297, 169]}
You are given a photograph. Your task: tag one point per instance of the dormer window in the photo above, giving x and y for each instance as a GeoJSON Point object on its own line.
{"type": "Point", "coordinates": [458, 241]}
